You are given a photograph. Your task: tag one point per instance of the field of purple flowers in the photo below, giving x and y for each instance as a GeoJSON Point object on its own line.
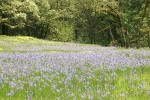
{"type": "Point", "coordinates": [35, 69]}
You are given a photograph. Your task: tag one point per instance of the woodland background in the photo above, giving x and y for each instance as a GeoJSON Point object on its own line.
{"type": "Point", "coordinates": [124, 23]}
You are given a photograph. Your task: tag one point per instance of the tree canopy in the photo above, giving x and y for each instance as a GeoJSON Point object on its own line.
{"type": "Point", "coordinates": [105, 22]}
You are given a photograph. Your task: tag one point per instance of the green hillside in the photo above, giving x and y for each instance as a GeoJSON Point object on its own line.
{"type": "Point", "coordinates": [26, 43]}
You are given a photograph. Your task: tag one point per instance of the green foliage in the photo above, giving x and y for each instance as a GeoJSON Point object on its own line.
{"type": "Point", "coordinates": [105, 22]}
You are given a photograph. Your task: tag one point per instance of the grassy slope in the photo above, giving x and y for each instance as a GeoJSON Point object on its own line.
{"type": "Point", "coordinates": [24, 39]}
{"type": "Point", "coordinates": [7, 43]}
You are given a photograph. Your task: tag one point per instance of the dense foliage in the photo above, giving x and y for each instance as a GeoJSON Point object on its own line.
{"type": "Point", "coordinates": [106, 22]}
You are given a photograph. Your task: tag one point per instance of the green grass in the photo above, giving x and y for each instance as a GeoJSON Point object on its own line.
{"type": "Point", "coordinates": [122, 86]}
{"type": "Point", "coordinates": [18, 39]}
{"type": "Point", "coordinates": [10, 42]}
{"type": "Point", "coordinates": [117, 84]}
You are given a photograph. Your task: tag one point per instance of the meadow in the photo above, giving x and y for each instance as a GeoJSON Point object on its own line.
{"type": "Point", "coordinates": [33, 69]}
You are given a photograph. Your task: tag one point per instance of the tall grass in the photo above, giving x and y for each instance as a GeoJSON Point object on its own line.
{"type": "Point", "coordinates": [32, 71]}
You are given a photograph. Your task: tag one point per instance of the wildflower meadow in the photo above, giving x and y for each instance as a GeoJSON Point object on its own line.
{"type": "Point", "coordinates": [32, 69]}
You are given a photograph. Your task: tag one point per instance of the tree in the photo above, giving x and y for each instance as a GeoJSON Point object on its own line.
{"type": "Point", "coordinates": [10, 16]}
{"type": "Point", "coordinates": [105, 22]}
{"type": "Point", "coordinates": [97, 24]}
{"type": "Point", "coordinates": [135, 15]}
{"type": "Point", "coordinates": [16, 14]}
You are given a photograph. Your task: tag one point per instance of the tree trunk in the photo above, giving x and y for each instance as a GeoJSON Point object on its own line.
{"type": "Point", "coordinates": [138, 40]}
{"type": "Point", "coordinates": [148, 39]}
{"type": "Point", "coordinates": [124, 36]}
{"type": "Point", "coordinates": [76, 34]}
{"type": "Point", "coordinates": [128, 40]}
{"type": "Point", "coordinates": [113, 40]}
{"type": "Point", "coordinates": [46, 32]}
{"type": "Point", "coordinates": [4, 30]}
{"type": "Point", "coordinates": [122, 31]}
{"type": "Point", "coordinates": [91, 35]}
{"type": "Point", "coordinates": [4, 27]}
